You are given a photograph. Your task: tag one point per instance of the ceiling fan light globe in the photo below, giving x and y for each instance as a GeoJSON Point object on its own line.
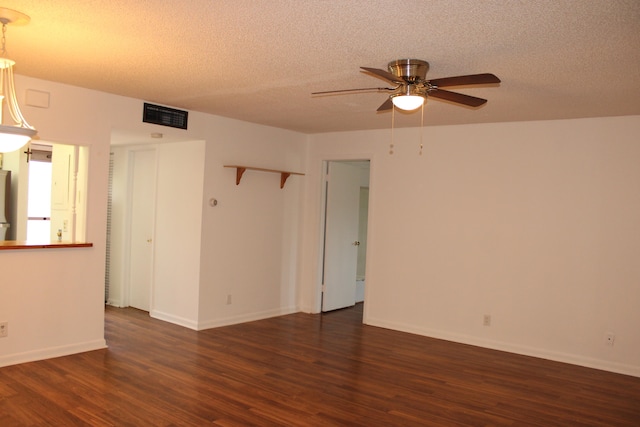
{"type": "Point", "coordinates": [408, 102]}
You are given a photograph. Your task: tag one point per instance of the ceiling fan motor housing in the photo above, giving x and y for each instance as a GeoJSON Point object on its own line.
{"type": "Point", "coordinates": [410, 70]}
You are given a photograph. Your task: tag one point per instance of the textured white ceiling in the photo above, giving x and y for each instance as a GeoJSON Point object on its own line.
{"type": "Point", "coordinates": [259, 60]}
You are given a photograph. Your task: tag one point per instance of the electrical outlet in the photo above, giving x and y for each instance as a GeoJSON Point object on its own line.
{"type": "Point", "coordinates": [65, 225]}
{"type": "Point", "coordinates": [486, 321]}
{"type": "Point", "coordinates": [4, 329]}
{"type": "Point", "coordinates": [609, 338]}
{"type": "Point", "coordinates": [229, 299]}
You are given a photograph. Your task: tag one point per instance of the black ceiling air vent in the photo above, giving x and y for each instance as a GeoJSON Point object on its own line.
{"type": "Point", "coordinates": [165, 116]}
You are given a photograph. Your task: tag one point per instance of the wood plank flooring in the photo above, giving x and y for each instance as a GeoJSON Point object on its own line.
{"type": "Point", "coordinates": [304, 370]}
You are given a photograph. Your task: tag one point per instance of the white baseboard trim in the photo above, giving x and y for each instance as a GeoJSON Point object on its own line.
{"type": "Point", "coordinates": [574, 359]}
{"type": "Point", "coordinates": [115, 303]}
{"type": "Point", "coordinates": [51, 352]}
{"type": "Point", "coordinates": [249, 317]}
{"type": "Point", "coordinates": [177, 320]}
{"type": "Point", "coordinates": [308, 310]}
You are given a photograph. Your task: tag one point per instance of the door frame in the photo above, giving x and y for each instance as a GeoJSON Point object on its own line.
{"type": "Point", "coordinates": [322, 226]}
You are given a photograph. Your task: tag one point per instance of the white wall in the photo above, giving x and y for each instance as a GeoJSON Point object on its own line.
{"type": "Point", "coordinates": [246, 246]}
{"type": "Point", "coordinates": [250, 239]}
{"type": "Point", "coordinates": [178, 232]}
{"type": "Point", "coordinates": [53, 299]}
{"type": "Point", "coordinates": [177, 229]}
{"type": "Point", "coordinates": [535, 224]}
{"type": "Point", "coordinates": [65, 294]}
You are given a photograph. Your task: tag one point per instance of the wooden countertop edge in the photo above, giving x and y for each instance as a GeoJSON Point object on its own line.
{"type": "Point", "coordinates": [16, 245]}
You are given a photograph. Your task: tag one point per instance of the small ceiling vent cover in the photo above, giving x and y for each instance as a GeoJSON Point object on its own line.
{"type": "Point", "coordinates": [165, 116]}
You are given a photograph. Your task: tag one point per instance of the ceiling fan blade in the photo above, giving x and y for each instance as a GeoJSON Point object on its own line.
{"type": "Point", "coordinates": [385, 75]}
{"type": "Point", "coordinates": [386, 105]}
{"type": "Point", "coordinates": [366, 89]}
{"type": "Point", "coordinates": [472, 79]}
{"type": "Point", "coordinates": [460, 98]}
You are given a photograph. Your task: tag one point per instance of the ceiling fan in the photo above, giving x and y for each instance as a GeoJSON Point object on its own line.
{"type": "Point", "coordinates": [412, 88]}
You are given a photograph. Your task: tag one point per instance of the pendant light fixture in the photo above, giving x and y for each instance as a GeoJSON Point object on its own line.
{"type": "Point", "coordinates": [12, 137]}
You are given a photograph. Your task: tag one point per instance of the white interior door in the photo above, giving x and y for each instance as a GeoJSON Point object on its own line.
{"type": "Point", "coordinates": [341, 236]}
{"type": "Point", "coordinates": [142, 167]}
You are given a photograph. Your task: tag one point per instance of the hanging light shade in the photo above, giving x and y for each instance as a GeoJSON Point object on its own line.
{"type": "Point", "coordinates": [14, 136]}
{"type": "Point", "coordinates": [409, 99]}
{"type": "Point", "coordinates": [408, 102]}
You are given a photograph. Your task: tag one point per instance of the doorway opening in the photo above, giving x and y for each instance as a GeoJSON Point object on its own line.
{"type": "Point", "coordinates": [344, 242]}
{"type": "Point", "coordinates": [130, 226]}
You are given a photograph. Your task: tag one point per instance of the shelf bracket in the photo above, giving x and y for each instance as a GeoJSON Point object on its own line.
{"type": "Point", "coordinates": [239, 172]}
{"type": "Point", "coordinates": [283, 178]}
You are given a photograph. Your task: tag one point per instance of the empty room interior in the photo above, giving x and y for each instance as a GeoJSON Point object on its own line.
{"type": "Point", "coordinates": [320, 213]}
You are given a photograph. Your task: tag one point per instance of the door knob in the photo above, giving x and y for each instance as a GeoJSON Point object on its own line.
{"type": "Point", "coordinates": [148, 240]}
{"type": "Point", "coordinates": [356, 243]}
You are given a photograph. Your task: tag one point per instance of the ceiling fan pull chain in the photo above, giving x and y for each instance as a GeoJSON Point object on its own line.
{"type": "Point", "coordinates": [421, 127]}
{"type": "Point", "coordinates": [393, 115]}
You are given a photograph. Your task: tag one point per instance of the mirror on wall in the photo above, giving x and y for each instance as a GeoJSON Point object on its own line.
{"type": "Point", "coordinates": [42, 196]}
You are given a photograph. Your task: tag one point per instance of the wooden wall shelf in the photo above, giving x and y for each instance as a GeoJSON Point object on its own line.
{"type": "Point", "coordinates": [240, 170]}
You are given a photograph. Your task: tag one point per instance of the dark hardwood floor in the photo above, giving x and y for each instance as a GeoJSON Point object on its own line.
{"type": "Point", "coordinates": [305, 370]}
